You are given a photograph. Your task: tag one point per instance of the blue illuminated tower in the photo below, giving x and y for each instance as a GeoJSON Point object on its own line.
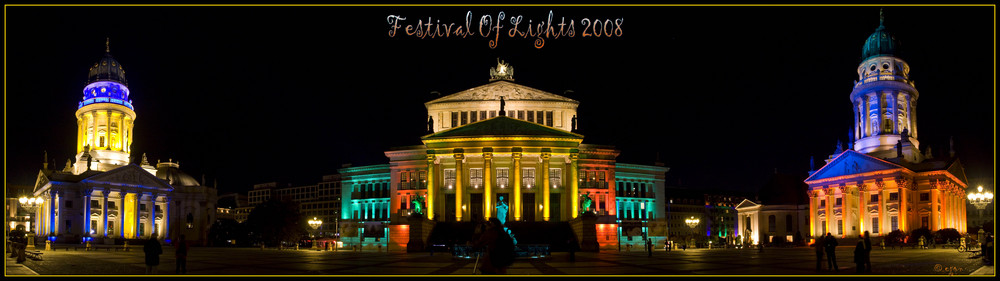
{"type": "Point", "coordinates": [104, 118]}
{"type": "Point", "coordinates": [885, 100]}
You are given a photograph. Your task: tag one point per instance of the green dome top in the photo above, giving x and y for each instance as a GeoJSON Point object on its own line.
{"type": "Point", "coordinates": [880, 42]}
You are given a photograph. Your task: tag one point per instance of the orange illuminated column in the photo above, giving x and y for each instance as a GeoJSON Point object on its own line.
{"type": "Point", "coordinates": [488, 183]}
{"type": "Point", "coordinates": [881, 207]}
{"type": "Point", "coordinates": [546, 189]}
{"type": "Point", "coordinates": [862, 208]}
{"type": "Point", "coordinates": [935, 215]}
{"type": "Point", "coordinates": [430, 185]}
{"type": "Point", "coordinates": [903, 214]}
{"type": "Point", "coordinates": [574, 183]}
{"type": "Point", "coordinates": [459, 158]}
{"type": "Point", "coordinates": [516, 154]}
{"type": "Point", "coordinates": [830, 217]}
{"type": "Point", "coordinates": [813, 214]}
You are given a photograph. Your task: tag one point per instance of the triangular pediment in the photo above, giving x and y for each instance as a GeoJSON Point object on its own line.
{"type": "Point", "coordinates": [131, 175]}
{"type": "Point", "coordinates": [956, 169]}
{"type": "Point", "coordinates": [510, 91]}
{"type": "Point", "coordinates": [746, 204]}
{"type": "Point", "coordinates": [41, 181]}
{"type": "Point", "coordinates": [849, 163]}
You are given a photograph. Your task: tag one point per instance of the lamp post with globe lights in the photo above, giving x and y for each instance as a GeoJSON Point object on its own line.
{"type": "Point", "coordinates": [980, 199]}
{"type": "Point", "coordinates": [314, 223]}
{"type": "Point", "coordinates": [692, 222]}
{"type": "Point", "coordinates": [31, 205]}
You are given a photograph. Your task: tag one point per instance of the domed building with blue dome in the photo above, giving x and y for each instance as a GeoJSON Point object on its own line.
{"type": "Point", "coordinates": [883, 182]}
{"type": "Point", "coordinates": [103, 195]}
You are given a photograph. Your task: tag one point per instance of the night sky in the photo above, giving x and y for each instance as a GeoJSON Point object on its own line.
{"type": "Point", "coordinates": [724, 95]}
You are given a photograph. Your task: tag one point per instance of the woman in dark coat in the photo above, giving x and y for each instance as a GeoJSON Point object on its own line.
{"type": "Point", "coordinates": [153, 251]}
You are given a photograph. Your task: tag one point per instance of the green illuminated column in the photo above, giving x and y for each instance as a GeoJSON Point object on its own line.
{"type": "Point", "coordinates": [430, 185]}
{"type": "Point", "coordinates": [574, 188]}
{"type": "Point", "coordinates": [459, 158]}
{"type": "Point", "coordinates": [516, 155]}
{"type": "Point", "coordinates": [546, 188]}
{"type": "Point", "coordinates": [488, 183]}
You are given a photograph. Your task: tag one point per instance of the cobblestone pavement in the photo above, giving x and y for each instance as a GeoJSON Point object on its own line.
{"type": "Point", "coordinates": [254, 261]}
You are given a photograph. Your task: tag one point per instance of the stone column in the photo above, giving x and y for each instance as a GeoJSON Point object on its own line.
{"type": "Point", "coordinates": [862, 208]}
{"type": "Point", "coordinates": [152, 216]}
{"type": "Point", "coordinates": [53, 201]}
{"type": "Point", "coordinates": [546, 188]}
{"type": "Point", "coordinates": [166, 217]}
{"type": "Point", "coordinates": [881, 208]}
{"type": "Point", "coordinates": [104, 213]}
{"type": "Point", "coordinates": [813, 213]}
{"type": "Point", "coordinates": [459, 158]}
{"type": "Point", "coordinates": [121, 213]}
{"type": "Point", "coordinates": [488, 182]}
{"type": "Point", "coordinates": [903, 214]}
{"type": "Point", "coordinates": [516, 155]}
{"type": "Point", "coordinates": [138, 201]}
{"type": "Point", "coordinates": [574, 183]}
{"type": "Point", "coordinates": [830, 216]}
{"type": "Point", "coordinates": [935, 220]}
{"type": "Point", "coordinates": [86, 211]}
{"type": "Point", "coordinates": [431, 186]}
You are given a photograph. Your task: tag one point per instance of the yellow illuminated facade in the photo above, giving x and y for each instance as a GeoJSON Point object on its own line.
{"type": "Point", "coordinates": [104, 195]}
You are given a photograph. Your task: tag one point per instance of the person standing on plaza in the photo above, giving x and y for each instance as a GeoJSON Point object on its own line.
{"type": "Point", "coordinates": [181, 253]}
{"type": "Point", "coordinates": [859, 256]}
{"type": "Point", "coordinates": [819, 254]}
{"type": "Point", "coordinates": [831, 252]}
{"type": "Point", "coordinates": [649, 247]}
{"type": "Point", "coordinates": [573, 246]}
{"type": "Point", "coordinates": [868, 252]}
{"type": "Point", "coordinates": [153, 251]}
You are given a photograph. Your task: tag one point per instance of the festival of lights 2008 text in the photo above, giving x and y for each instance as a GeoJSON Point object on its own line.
{"type": "Point", "coordinates": [492, 27]}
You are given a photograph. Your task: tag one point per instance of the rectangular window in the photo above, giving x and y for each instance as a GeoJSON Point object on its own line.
{"type": "Point", "coordinates": [531, 116]}
{"type": "Point", "coordinates": [474, 117]}
{"type": "Point", "coordinates": [69, 204]}
{"type": "Point", "coordinates": [454, 119]}
{"type": "Point", "coordinates": [520, 114]}
{"type": "Point", "coordinates": [95, 204]}
{"type": "Point", "coordinates": [839, 201]}
{"type": "Point", "coordinates": [874, 198]}
{"type": "Point", "coordinates": [840, 227]}
{"type": "Point", "coordinates": [502, 176]}
{"type": "Point", "coordinates": [493, 113]}
{"type": "Point", "coordinates": [823, 223]}
{"type": "Point", "coordinates": [602, 179]}
{"type": "Point", "coordinates": [822, 203]}
{"type": "Point", "coordinates": [894, 221]}
{"type": "Point", "coordinates": [476, 177]}
{"type": "Point", "coordinates": [69, 226]}
{"type": "Point", "coordinates": [555, 177]}
{"type": "Point", "coordinates": [93, 226]}
{"type": "Point", "coordinates": [465, 117]}
{"type": "Point", "coordinates": [924, 197]}
{"type": "Point", "coordinates": [528, 177]}
{"type": "Point", "coordinates": [893, 196]}
{"type": "Point", "coordinates": [482, 115]}
{"type": "Point", "coordinates": [924, 222]}
{"type": "Point", "coordinates": [142, 229]}
{"type": "Point", "coordinates": [548, 118]}
{"type": "Point", "coordinates": [540, 115]}
{"type": "Point", "coordinates": [449, 178]}
{"type": "Point", "coordinates": [142, 207]}
{"type": "Point", "coordinates": [423, 179]}
{"type": "Point", "coordinates": [875, 225]}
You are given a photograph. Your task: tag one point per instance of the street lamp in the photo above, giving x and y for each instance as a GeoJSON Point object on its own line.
{"type": "Point", "coordinates": [31, 205]}
{"type": "Point", "coordinates": [315, 223]}
{"type": "Point", "coordinates": [980, 198]}
{"type": "Point", "coordinates": [692, 222]}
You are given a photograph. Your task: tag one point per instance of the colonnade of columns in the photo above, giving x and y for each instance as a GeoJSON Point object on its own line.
{"type": "Point", "coordinates": [126, 221]}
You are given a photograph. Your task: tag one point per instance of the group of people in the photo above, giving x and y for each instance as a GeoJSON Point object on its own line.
{"type": "Point", "coordinates": [17, 243]}
{"type": "Point", "coordinates": [828, 244]}
{"type": "Point", "coordinates": [153, 251]}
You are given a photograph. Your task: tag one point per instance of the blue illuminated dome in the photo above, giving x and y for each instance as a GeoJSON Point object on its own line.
{"type": "Point", "coordinates": [106, 83]}
{"type": "Point", "coordinates": [880, 43]}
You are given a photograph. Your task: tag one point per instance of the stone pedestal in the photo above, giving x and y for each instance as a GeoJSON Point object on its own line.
{"type": "Point", "coordinates": [31, 241]}
{"type": "Point", "coordinates": [420, 230]}
{"type": "Point", "coordinates": [585, 229]}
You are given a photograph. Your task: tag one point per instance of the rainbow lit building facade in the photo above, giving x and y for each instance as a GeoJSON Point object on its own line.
{"type": "Point", "coordinates": [502, 143]}
{"type": "Point", "coordinates": [885, 183]}
{"type": "Point", "coordinates": [104, 195]}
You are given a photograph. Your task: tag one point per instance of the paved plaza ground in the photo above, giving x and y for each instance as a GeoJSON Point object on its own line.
{"type": "Point", "coordinates": [254, 261]}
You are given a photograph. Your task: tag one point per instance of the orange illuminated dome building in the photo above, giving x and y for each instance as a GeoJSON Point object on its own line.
{"type": "Point", "coordinates": [885, 183]}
